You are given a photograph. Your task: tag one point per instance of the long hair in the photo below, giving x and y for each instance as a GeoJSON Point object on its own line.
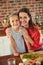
{"type": "Point", "coordinates": [26, 10]}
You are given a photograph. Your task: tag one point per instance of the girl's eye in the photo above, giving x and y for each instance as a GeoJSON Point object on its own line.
{"type": "Point", "coordinates": [13, 21]}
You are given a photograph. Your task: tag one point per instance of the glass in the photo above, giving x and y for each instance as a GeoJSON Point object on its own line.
{"type": "Point", "coordinates": [11, 61]}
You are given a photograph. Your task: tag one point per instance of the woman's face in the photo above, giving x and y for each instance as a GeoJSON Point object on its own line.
{"type": "Point", "coordinates": [24, 19]}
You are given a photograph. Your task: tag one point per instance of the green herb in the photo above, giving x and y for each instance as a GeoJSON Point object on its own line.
{"type": "Point", "coordinates": [41, 31]}
{"type": "Point", "coordinates": [30, 56]}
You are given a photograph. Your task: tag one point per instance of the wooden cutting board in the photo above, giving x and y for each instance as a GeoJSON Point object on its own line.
{"type": "Point", "coordinates": [28, 61]}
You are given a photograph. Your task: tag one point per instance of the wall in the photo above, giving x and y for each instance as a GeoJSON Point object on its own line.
{"type": "Point", "coordinates": [9, 6]}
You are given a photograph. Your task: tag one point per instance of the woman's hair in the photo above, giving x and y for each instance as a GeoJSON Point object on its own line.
{"type": "Point", "coordinates": [26, 10]}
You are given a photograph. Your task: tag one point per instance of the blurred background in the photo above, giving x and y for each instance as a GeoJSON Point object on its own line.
{"type": "Point", "coordinates": [9, 6]}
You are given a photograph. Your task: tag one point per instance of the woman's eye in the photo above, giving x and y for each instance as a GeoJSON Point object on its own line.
{"type": "Point", "coordinates": [16, 20]}
{"type": "Point", "coordinates": [20, 17]}
{"type": "Point", "coordinates": [25, 17]}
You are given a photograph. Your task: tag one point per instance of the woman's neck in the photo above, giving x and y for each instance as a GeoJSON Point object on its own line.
{"type": "Point", "coordinates": [26, 26]}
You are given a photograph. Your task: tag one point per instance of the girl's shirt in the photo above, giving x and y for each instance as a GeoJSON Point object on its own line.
{"type": "Point", "coordinates": [19, 42]}
{"type": "Point", "coordinates": [35, 36]}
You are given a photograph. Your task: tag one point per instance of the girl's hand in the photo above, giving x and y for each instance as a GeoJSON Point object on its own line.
{"type": "Point", "coordinates": [16, 54]}
{"type": "Point", "coordinates": [30, 51]}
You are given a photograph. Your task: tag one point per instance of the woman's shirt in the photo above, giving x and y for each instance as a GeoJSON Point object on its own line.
{"type": "Point", "coordinates": [19, 42]}
{"type": "Point", "coordinates": [35, 36]}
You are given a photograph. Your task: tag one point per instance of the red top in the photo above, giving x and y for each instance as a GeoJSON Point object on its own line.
{"type": "Point", "coordinates": [35, 36]}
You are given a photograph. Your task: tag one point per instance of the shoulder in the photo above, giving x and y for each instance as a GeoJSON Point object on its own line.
{"type": "Point", "coordinates": [7, 30]}
{"type": "Point", "coordinates": [23, 30]}
{"type": "Point", "coordinates": [35, 27]}
{"type": "Point", "coordinates": [36, 30]}
{"type": "Point", "coordinates": [8, 33]}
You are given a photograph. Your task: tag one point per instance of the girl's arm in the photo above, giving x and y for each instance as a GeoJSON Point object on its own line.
{"type": "Point", "coordinates": [12, 42]}
{"type": "Point", "coordinates": [13, 47]}
{"type": "Point", "coordinates": [26, 36]}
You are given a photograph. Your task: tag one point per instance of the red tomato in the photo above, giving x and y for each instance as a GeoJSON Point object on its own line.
{"type": "Point", "coordinates": [33, 58]}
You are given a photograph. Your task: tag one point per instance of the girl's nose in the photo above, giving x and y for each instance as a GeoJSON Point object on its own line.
{"type": "Point", "coordinates": [15, 22]}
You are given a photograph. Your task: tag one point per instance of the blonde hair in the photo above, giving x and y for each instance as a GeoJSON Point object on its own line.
{"type": "Point", "coordinates": [13, 14]}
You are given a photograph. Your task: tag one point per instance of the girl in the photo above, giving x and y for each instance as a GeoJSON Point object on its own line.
{"type": "Point", "coordinates": [16, 34]}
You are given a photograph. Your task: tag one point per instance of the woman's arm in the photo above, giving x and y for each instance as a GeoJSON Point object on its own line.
{"type": "Point", "coordinates": [12, 42]}
{"type": "Point", "coordinates": [27, 38]}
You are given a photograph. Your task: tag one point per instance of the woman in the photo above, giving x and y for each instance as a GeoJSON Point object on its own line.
{"type": "Point", "coordinates": [33, 32]}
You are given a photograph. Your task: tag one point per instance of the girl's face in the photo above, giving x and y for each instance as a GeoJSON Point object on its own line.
{"type": "Point", "coordinates": [24, 19]}
{"type": "Point", "coordinates": [14, 21]}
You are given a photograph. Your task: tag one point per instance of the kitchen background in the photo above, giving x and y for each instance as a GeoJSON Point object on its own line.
{"type": "Point", "coordinates": [10, 6]}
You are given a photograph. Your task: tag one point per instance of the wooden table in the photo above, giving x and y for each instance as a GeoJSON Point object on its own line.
{"type": "Point", "coordinates": [4, 59]}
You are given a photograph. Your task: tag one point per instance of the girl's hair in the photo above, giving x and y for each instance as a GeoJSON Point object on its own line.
{"type": "Point", "coordinates": [26, 10]}
{"type": "Point", "coordinates": [16, 13]}
{"type": "Point", "coordinates": [11, 15]}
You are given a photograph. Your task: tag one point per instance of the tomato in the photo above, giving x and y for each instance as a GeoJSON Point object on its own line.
{"type": "Point", "coordinates": [33, 58]}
